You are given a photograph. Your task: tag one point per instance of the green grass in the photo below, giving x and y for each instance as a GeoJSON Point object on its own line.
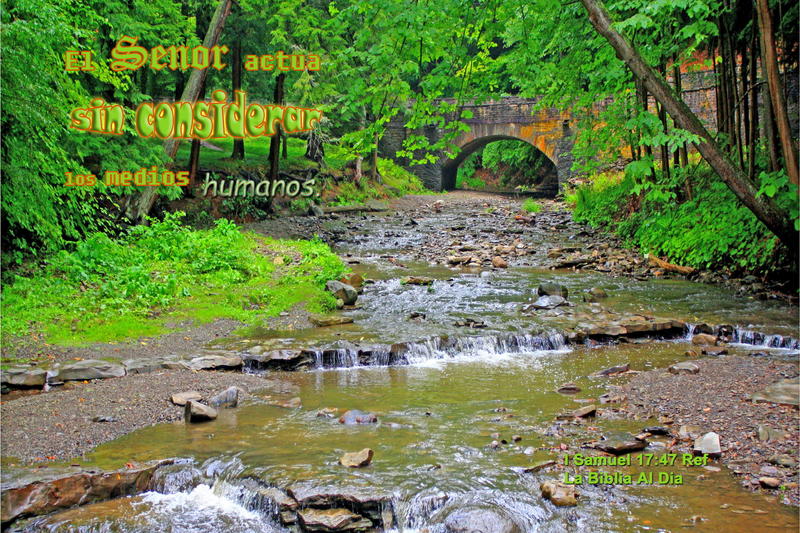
{"type": "Point", "coordinates": [531, 206]}
{"type": "Point", "coordinates": [164, 274]}
{"type": "Point", "coordinates": [256, 153]}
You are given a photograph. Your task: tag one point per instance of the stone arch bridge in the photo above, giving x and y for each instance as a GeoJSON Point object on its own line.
{"type": "Point", "coordinates": [509, 118]}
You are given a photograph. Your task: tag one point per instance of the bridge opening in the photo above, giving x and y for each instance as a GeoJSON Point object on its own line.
{"type": "Point", "coordinates": [502, 164]}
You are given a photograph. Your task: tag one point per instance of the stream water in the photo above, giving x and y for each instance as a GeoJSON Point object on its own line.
{"type": "Point", "coordinates": [438, 414]}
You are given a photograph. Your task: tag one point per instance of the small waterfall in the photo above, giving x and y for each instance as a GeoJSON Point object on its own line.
{"type": "Point", "coordinates": [434, 348]}
{"type": "Point", "coordinates": [755, 338]}
{"type": "Point", "coordinates": [451, 347]}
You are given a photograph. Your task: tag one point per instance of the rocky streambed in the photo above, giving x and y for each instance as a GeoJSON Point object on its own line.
{"type": "Point", "coordinates": [465, 373]}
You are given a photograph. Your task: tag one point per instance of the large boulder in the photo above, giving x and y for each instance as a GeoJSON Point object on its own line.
{"type": "Point", "coordinates": [213, 362]}
{"type": "Point", "coordinates": [90, 369]}
{"type": "Point", "coordinates": [56, 492]}
{"type": "Point", "coordinates": [198, 412]}
{"type": "Point", "coordinates": [479, 520]}
{"type": "Point", "coordinates": [550, 288]}
{"type": "Point", "coordinates": [278, 360]}
{"type": "Point", "coordinates": [23, 377]}
{"type": "Point", "coordinates": [342, 291]}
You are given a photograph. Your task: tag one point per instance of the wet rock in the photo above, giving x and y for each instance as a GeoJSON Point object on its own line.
{"type": "Point", "coordinates": [548, 302]}
{"type": "Point", "coordinates": [550, 288]}
{"type": "Point", "coordinates": [342, 291]}
{"type": "Point", "coordinates": [569, 388]}
{"type": "Point", "coordinates": [714, 352]}
{"type": "Point", "coordinates": [656, 430]}
{"type": "Point", "coordinates": [516, 438]}
{"type": "Point", "coordinates": [417, 280]}
{"type": "Point", "coordinates": [621, 443]}
{"type": "Point", "coordinates": [315, 211]}
{"type": "Point", "coordinates": [559, 494]}
{"type": "Point", "coordinates": [228, 398]}
{"type": "Point", "coordinates": [331, 520]}
{"type": "Point", "coordinates": [769, 482]}
{"type": "Point", "coordinates": [613, 370]}
{"type": "Point", "coordinates": [704, 339]}
{"type": "Point", "coordinates": [104, 419]}
{"type": "Point", "coordinates": [367, 502]}
{"type": "Point", "coordinates": [499, 262]}
{"type": "Point", "coordinates": [586, 411]}
{"type": "Point", "coordinates": [181, 398]}
{"type": "Point", "coordinates": [785, 392]}
{"type": "Point", "coordinates": [355, 416]}
{"type": "Point", "coordinates": [357, 459]}
{"type": "Point", "coordinates": [198, 412]}
{"type": "Point", "coordinates": [479, 520]}
{"type": "Point", "coordinates": [23, 377]}
{"type": "Point", "coordinates": [280, 499]}
{"type": "Point", "coordinates": [60, 492]}
{"type": "Point", "coordinates": [278, 360]}
{"type": "Point", "coordinates": [213, 362]}
{"type": "Point", "coordinates": [708, 444]}
{"type": "Point", "coordinates": [327, 412]}
{"type": "Point", "coordinates": [703, 328]}
{"type": "Point", "coordinates": [684, 368]}
{"type": "Point", "coordinates": [324, 321]}
{"type": "Point", "coordinates": [291, 403]}
{"type": "Point", "coordinates": [90, 369]}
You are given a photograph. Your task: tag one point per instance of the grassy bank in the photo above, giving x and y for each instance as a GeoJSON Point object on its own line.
{"type": "Point", "coordinates": [165, 274]}
{"type": "Point", "coordinates": [691, 219]}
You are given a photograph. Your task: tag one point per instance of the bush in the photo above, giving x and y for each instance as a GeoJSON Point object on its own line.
{"type": "Point", "coordinates": [166, 273]}
{"type": "Point", "coordinates": [712, 229]}
{"type": "Point", "coordinates": [531, 206]}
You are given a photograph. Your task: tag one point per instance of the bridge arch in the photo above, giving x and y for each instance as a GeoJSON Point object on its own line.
{"type": "Point", "coordinates": [548, 187]}
{"type": "Point", "coordinates": [507, 118]}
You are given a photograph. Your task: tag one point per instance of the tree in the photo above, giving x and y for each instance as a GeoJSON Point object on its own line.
{"type": "Point", "coordinates": [775, 218]}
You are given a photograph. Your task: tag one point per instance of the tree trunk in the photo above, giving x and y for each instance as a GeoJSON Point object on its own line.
{"type": "Point", "coordinates": [190, 94]}
{"type": "Point", "coordinates": [236, 85]}
{"type": "Point", "coordinates": [775, 92]}
{"type": "Point", "coordinates": [376, 177]}
{"type": "Point", "coordinates": [275, 141]}
{"type": "Point", "coordinates": [315, 149]}
{"type": "Point", "coordinates": [773, 217]}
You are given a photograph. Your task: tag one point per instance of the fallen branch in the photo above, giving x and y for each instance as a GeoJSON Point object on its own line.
{"type": "Point", "coordinates": [669, 267]}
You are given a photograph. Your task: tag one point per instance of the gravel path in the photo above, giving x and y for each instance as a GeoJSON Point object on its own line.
{"type": "Point", "coordinates": [717, 399]}
{"type": "Point", "coordinates": [58, 425]}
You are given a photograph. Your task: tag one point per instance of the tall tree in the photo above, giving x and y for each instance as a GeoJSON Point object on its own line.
{"type": "Point", "coordinates": [775, 218]}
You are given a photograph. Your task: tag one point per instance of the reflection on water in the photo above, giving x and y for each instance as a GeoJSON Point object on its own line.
{"type": "Point", "coordinates": [432, 454]}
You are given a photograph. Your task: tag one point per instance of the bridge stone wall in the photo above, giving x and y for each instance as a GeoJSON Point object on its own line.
{"type": "Point", "coordinates": [510, 118]}
{"type": "Point", "coordinates": [549, 130]}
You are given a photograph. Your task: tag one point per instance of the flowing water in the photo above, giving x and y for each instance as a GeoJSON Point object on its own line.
{"type": "Point", "coordinates": [439, 414]}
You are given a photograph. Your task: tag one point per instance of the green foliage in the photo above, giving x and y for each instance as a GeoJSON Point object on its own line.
{"type": "Point", "coordinates": [165, 273]}
{"type": "Point", "coordinates": [403, 181]}
{"type": "Point", "coordinates": [531, 206]}
{"type": "Point", "coordinates": [710, 230]}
